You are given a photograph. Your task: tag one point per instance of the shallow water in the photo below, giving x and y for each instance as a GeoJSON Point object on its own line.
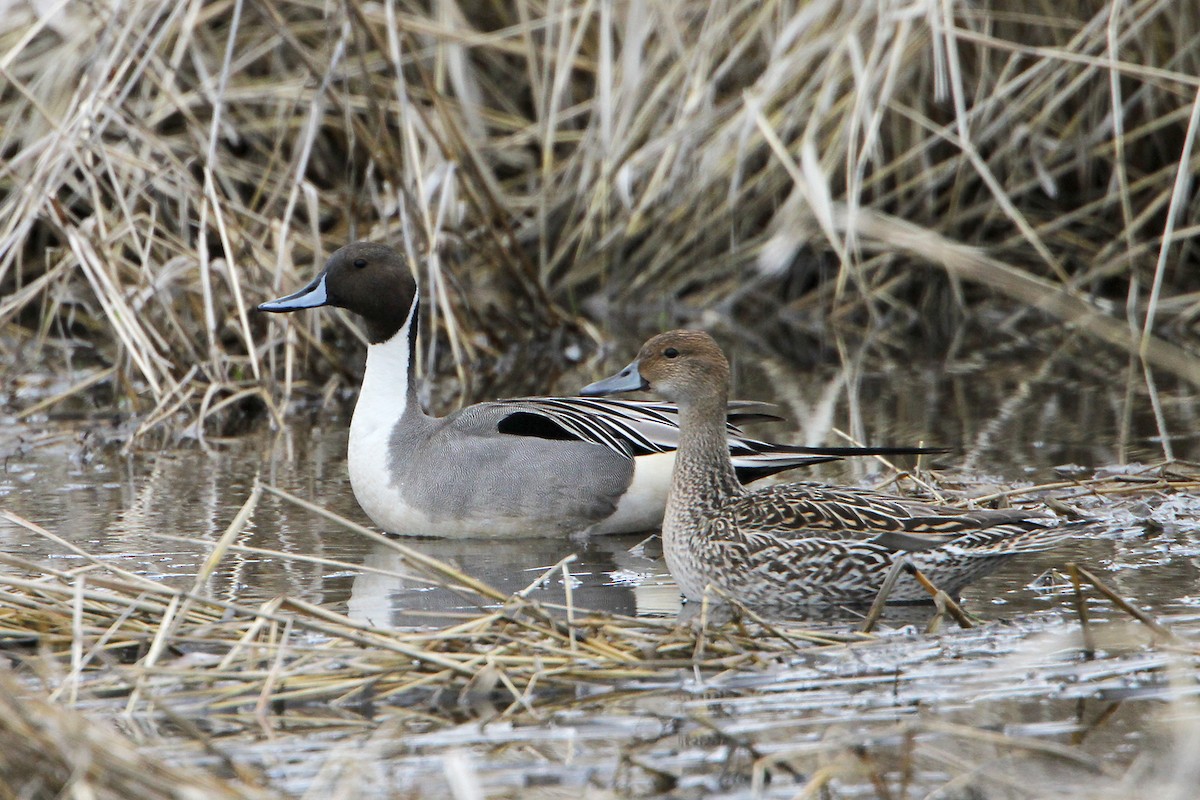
{"type": "Point", "coordinates": [1014, 415]}
{"type": "Point", "coordinates": [1056, 409]}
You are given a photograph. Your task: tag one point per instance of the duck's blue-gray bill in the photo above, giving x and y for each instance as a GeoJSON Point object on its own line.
{"type": "Point", "coordinates": [310, 296]}
{"type": "Point", "coordinates": [627, 380]}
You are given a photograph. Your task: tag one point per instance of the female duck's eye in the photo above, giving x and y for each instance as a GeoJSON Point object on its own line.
{"type": "Point", "coordinates": [670, 352]}
{"type": "Point", "coordinates": [360, 262]}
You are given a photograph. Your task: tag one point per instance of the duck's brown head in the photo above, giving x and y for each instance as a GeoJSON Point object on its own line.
{"type": "Point", "coordinates": [682, 366]}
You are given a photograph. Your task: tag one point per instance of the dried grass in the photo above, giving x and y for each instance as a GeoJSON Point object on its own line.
{"type": "Point", "coordinates": [167, 165]}
{"type": "Point", "coordinates": [207, 677]}
{"type": "Point", "coordinates": [335, 660]}
{"type": "Point", "coordinates": [52, 751]}
{"type": "Point", "coordinates": [188, 665]}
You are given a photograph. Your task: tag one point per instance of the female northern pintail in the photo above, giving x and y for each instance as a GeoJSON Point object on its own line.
{"type": "Point", "coordinates": [799, 543]}
{"type": "Point", "coordinates": [526, 466]}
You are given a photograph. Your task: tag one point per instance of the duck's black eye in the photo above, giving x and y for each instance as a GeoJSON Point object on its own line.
{"type": "Point", "coordinates": [360, 262]}
{"type": "Point", "coordinates": [670, 352]}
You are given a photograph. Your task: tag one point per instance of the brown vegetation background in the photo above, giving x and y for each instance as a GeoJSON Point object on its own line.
{"type": "Point", "coordinates": [164, 166]}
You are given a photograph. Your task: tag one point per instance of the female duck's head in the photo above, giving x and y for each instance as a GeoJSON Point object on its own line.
{"type": "Point", "coordinates": [682, 366]}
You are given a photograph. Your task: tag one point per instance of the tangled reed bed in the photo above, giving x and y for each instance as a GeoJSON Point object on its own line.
{"type": "Point", "coordinates": [166, 165]}
{"type": "Point", "coordinates": [515, 646]}
{"type": "Point", "coordinates": [205, 679]}
{"type": "Point", "coordinates": [183, 664]}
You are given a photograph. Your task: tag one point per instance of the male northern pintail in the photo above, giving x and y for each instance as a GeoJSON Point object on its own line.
{"type": "Point", "coordinates": [799, 543]}
{"type": "Point", "coordinates": [527, 466]}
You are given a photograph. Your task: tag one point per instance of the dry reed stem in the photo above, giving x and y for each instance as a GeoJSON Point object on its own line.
{"type": "Point", "coordinates": [1120, 602]}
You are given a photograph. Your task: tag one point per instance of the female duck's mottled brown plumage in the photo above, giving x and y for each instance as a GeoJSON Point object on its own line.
{"type": "Point", "coordinates": [800, 543]}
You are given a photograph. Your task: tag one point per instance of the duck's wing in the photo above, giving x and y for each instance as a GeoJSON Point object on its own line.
{"type": "Point", "coordinates": [632, 428]}
{"type": "Point", "coordinates": [1028, 536]}
{"type": "Point", "coordinates": [811, 511]}
{"type": "Point", "coordinates": [640, 427]}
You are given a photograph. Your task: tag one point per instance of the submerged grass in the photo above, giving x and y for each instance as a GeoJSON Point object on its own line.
{"type": "Point", "coordinates": [167, 165]}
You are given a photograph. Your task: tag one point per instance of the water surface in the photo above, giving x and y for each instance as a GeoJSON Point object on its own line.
{"type": "Point", "coordinates": [1012, 415]}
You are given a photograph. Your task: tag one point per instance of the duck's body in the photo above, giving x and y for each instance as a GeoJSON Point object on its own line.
{"type": "Point", "coordinates": [533, 466]}
{"type": "Point", "coordinates": [416, 474]}
{"type": "Point", "coordinates": [804, 543]}
{"type": "Point", "coordinates": [800, 543]}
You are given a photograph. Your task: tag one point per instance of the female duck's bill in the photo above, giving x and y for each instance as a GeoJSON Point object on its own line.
{"type": "Point", "coordinates": [627, 380]}
{"type": "Point", "coordinates": [801, 543]}
{"type": "Point", "coordinates": [533, 466]}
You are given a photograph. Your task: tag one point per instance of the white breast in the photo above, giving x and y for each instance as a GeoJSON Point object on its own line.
{"type": "Point", "coordinates": [381, 404]}
{"type": "Point", "coordinates": [641, 507]}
